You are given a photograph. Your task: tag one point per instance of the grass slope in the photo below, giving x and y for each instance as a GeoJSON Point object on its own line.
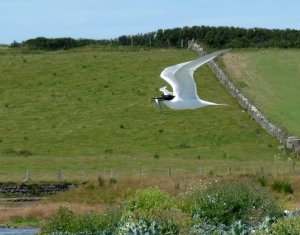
{"type": "Point", "coordinates": [91, 109]}
{"type": "Point", "coordinates": [271, 79]}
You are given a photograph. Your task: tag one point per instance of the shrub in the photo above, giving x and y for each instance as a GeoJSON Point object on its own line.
{"type": "Point", "coordinates": [289, 226]}
{"type": "Point", "coordinates": [226, 202]}
{"type": "Point", "coordinates": [150, 198]}
{"type": "Point", "coordinates": [62, 221]}
{"type": "Point", "coordinates": [152, 211]}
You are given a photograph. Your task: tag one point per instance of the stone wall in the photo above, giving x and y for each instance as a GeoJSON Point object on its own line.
{"type": "Point", "coordinates": [34, 189]}
{"type": "Point", "coordinates": [271, 128]}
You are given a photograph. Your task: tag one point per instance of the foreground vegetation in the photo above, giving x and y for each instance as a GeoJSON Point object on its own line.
{"type": "Point", "coordinates": [215, 207]}
{"type": "Point", "coordinates": [102, 194]}
{"type": "Point", "coordinates": [270, 79]}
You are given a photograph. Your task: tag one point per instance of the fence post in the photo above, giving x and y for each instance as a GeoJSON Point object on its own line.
{"type": "Point", "coordinates": [169, 171]}
{"type": "Point", "coordinates": [140, 173]}
{"type": "Point", "coordinates": [229, 170]}
{"type": "Point", "coordinates": [262, 170]}
{"type": "Point", "coordinates": [28, 176]}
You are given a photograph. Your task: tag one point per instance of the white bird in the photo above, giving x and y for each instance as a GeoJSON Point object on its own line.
{"type": "Point", "coordinates": [180, 77]}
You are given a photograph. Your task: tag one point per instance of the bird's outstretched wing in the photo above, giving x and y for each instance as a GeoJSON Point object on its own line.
{"type": "Point", "coordinates": [180, 76]}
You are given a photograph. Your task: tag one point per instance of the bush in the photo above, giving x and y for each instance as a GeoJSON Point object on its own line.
{"type": "Point", "coordinates": [150, 198]}
{"type": "Point", "coordinates": [289, 226]}
{"type": "Point", "coordinates": [227, 202]}
{"type": "Point", "coordinates": [152, 211]}
{"type": "Point", "coordinates": [62, 220]}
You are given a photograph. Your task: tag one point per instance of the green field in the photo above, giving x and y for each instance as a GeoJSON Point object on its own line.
{"type": "Point", "coordinates": [90, 109]}
{"type": "Point", "coordinates": [271, 80]}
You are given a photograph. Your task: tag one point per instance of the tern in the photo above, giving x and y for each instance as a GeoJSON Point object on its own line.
{"type": "Point", "coordinates": [181, 79]}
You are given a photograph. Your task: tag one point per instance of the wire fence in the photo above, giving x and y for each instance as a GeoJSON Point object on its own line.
{"type": "Point", "coordinates": [61, 174]}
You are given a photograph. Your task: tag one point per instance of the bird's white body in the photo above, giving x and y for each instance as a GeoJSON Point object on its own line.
{"type": "Point", "coordinates": [180, 77]}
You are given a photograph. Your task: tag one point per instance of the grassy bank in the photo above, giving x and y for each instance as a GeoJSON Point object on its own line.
{"type": "Point", "coordinates": [90, 109]}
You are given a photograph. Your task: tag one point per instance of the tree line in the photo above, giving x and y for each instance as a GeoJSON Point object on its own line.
{"type": "Point", "coordinates": [57, 43]}
{"type": "Point", "coordinates": [215, 37]}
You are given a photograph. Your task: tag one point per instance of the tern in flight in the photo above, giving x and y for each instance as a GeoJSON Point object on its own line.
{"type": "Point", "coordinates": [180, 77]}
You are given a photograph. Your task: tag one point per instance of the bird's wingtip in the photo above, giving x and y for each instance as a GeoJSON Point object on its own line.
{"type": "Point", "coordinates": [225, 51]}
{"type": "Point", "coordinates": [224, 104]}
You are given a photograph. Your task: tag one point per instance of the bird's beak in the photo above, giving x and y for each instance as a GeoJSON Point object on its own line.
{"type": "Point", "coordinates": [157, 102]}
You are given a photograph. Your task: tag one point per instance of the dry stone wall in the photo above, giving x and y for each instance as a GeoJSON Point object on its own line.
{"type": "Point", "coordinates": [34, 189]}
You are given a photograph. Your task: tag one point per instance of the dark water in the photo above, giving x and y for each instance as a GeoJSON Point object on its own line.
{"type": "Point", "coordinates": [17, 231]}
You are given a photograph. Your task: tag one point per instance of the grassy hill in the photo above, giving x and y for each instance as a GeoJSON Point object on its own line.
{"type": "Point", "coordinates": [271, 80]}
{"type": "Point", "coordinates": [90, 109]}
